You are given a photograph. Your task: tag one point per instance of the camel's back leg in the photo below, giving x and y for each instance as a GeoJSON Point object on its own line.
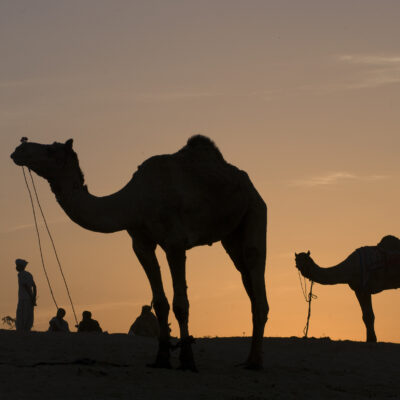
{"type": "Point", "coordinates": [247, 249]}
{"type": "Point", "coordinates": [365, 300]}
{"type": "Point", "coordinates": [145, 253]}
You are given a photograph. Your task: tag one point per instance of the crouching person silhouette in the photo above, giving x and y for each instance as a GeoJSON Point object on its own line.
{"type": "Point", "coordinates": [88, 324]}
{"type": "Point", "coordinates": [146, 324]}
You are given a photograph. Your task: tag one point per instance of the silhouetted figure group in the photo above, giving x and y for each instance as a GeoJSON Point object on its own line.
{"type": "Point", "coordinates": [145, 325]}
{"type": "Point", "coordinates": [58, 323]}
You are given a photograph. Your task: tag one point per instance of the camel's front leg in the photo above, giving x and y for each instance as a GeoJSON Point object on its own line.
{"type": "Point", "coordinates": [145, 252]}
{"type": "Point", "coordinates": [176, 260]}
{"type": "Point", "coordinates": [368, 316]}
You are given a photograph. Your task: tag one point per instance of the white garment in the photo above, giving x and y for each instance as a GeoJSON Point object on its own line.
{"type": "Point", "coordinates": [24, 320]}
{"type": "Point", "coordinates": [24, 278]}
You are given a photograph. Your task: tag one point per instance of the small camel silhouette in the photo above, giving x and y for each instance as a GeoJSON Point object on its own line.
{"type": "Point", "coordinates": [177, 201]}
{"type": "Point", "coordinates": [368, 270]}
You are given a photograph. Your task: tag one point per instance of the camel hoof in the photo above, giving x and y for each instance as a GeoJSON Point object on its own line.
{"type": "Point", "coordinates": [186, 356]}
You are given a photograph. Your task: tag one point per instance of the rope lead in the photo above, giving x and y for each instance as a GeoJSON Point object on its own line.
{"type": "Point", "coordinates": [38, 236]}
{"type": "Point", "coordinates": [52, 242]}
{"type": "Point", "coordinates": [308, 298]}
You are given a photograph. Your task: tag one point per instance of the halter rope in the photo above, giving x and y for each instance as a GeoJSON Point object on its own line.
{"type": "Point", "coordinates": [38, 236]}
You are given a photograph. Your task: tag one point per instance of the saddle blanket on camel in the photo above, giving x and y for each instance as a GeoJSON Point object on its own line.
{"type": "Point", "coordinates": [374, 259]}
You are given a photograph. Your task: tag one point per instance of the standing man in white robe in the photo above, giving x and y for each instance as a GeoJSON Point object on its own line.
{"type": "Point", "coordinates": [26, 297]}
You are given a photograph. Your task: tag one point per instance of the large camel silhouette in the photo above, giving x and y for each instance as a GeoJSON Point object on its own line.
{"type": "Point", "coordinates": [368, 270]}
{"type": "Point", "coordinates": [177, 201]}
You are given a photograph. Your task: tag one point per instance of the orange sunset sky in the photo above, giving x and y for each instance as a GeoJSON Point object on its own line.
{"type": "Point", "coordinates": [302, 95]}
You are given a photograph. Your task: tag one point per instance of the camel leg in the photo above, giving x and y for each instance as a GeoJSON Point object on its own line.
{"type": "Point", "coordinates": [254, 282]}
{"type": "Point", "coordinates": [177, 263]}
{"type": "Point", "coordinates": [249, 258]}
{"type": "Point", "coordinates": [368, 316]}
{"type": "Point", "coordinates": [145, 253]}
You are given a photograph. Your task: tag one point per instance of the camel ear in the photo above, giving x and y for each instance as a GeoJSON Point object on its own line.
{"type": "Point", "coordinates": [69, 142]}
{"type": "Point", "coordinates": [308, 252]}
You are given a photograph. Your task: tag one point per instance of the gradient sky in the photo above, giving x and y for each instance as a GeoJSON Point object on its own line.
{"type": "Point", "coordinates": [302, 95]}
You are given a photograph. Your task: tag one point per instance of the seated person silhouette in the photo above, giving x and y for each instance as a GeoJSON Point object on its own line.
{"type": "Point", "coordinates": [88, 324]}
{"type": "Point", "coordinates": [58, 323]}
{"type": "Point", "coordinates": [146, 324]}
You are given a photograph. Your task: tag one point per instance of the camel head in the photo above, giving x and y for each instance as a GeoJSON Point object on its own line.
{"type": "Point", "coordinates": [304, 263]}
{"type": "Point", "coordinates": [51, 161]}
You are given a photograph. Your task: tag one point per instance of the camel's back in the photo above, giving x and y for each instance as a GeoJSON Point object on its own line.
{"type": "Point", "coordinates": [197, 167]}
{"type": "Point", "coordinates": [380, 268]}
{"type": "Point", "coordinates": [197, 188]}
{"type": "Point", "coordinates": [202, 161]}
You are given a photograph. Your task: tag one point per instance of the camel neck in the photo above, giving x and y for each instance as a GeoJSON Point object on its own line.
{"type": "Point", "coordinates": [100, 214]}
{"type": "Point", "coordinates": [344, 272]}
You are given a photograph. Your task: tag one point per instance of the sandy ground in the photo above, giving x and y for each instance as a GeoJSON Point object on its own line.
{"type": "Point", "coordinates": [91, 366]}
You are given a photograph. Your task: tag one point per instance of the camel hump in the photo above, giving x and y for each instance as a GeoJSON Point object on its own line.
{"type": "Point", "coordinates": [389, 242]}
{"type": "Point", "coordinates": [202, 143]}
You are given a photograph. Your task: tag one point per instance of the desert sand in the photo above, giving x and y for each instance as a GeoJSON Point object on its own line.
{"type": "Point", "coordinates": [40, 365]}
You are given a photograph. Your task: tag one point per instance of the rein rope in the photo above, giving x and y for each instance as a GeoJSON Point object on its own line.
{"type": "Point", "coordinates": [38, 236]}
{"type": "Point", "coordinates": [308, 298]}
{"type": "Point", "coordinates": [51, 239]}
